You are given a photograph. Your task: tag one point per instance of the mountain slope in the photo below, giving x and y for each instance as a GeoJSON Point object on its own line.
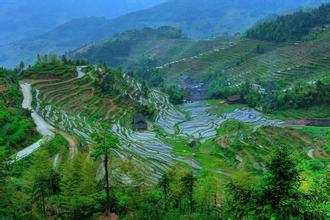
{"type": "Point", "coordinates": [133, 50]}
{"type": "Point", "coordinates": [16, 126]}
{"type": "Point", "coordinates": [207, 17]}
{"type": "Point", "coordinates": [21, 19]}
{"type": "Point", "coordinates": [63, 38]}
{"type": "Point", "coordinates": [259, 62]}
{"type": "Point", "coordinates": [196, 18]}
{"type": "Point", "coordinates": [292, 27]}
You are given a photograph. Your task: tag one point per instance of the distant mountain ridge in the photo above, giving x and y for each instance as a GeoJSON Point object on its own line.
{"type": "Point", "coordinates": [197, 18]}
{"type": "Point", "coordinates": [20, 19]}
{"type": "Point", "coordinates": [133, 50]}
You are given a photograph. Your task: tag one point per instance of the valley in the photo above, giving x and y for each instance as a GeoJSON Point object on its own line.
{"type": "Point", "coordinates": [155, 151]}
{"type": "Point", "coordinates": [152, 124]}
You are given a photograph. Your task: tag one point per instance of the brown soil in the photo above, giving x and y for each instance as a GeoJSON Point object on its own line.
{"type": "Point", "coordinates": [72, 142]}
{"type": "Point", "coordinates": [300, 138]}
{"type": "Point", "coordinates": [3, 88]}
{"type": "Point", "coordinates": [111, 102]}
{"type": "Point", "coordinates": [256, 165]}
{"type": "Point", "coordinates": [310, 122]}
{"type": "Point", "coordinates": [109, 216]}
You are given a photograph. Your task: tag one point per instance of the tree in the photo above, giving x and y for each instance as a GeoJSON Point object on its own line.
{"type": "Point", "coordinates": [21, 65]}
{"type": "Point", "coordinates": [188, 182]}
{"type": "Point", "coordinates": [164, 183]}
{"type": "Point", "coordinates": [53, 59]}
{"type": "Point", "coordinates": [40, 190]}
{"type": "Point", "coordinates": [281, 185]}
{"type": "Point", "coordinates": [72, 177]}
{"type": "Point", "coordinates": [4, 183]}
{"type": "Point", "coordinates": [104, 144]}
{"type": "Point", "coordinates": [64, 59]}
{"type": "Point", "coordinates": [43, 183]}
{"type": "Point", "coordinates": [39, 59]}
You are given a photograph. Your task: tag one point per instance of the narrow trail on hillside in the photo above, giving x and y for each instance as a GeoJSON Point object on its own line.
{"type": "Point", "coordinates": [72, 142]}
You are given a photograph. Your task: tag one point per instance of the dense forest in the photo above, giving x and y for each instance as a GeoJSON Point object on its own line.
{"type": "Point", "coordinates": [71, 192]}
{"type": "Point", "coordinates": [301, 95]}
{"type": "Point", "coordinates": [292, 27]}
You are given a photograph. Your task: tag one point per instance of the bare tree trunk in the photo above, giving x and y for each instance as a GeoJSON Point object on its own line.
{"type": "Point", "coordinates": [43, 203]}
{"type": "Point", "coordinates": [107, 188]}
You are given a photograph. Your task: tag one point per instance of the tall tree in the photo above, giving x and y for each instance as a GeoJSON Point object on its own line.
{"type": "Point", "coordinates": [164, 183]}
{"type": "Point", "coordinates": [70, 182]}
{"type": "Point", "coordinates": [42, 182]}
{"type": "Point", "coordinates": [4, 194]}
{"type": "Point", "coordinates": [104, 144]}
{"type": "Point", "coordinates": [188, 182]}
{"type": "Point", "coordinates": [281, 187]}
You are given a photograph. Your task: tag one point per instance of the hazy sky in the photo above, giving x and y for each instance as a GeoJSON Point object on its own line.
{"type": "Point", "coordinates": [24, 18]}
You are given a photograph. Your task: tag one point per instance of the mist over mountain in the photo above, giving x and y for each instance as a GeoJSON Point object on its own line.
{"type": "Point", "coordinates": [202, 18]}
{"type": "Point", "coordinates": [196, 18]}
{"type": "Point", "coordinates": [26, 18]}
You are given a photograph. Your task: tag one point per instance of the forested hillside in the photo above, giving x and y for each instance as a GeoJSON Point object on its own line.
{"type": "Point", "coordinates": [203, 18]}
{"type": "Point", "coordinates": [293, 27]}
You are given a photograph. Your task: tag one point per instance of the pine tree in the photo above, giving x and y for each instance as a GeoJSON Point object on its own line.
{"type": "Point", "coordinates": [4, 194]}
{"type": "Point", "coordinates": [281, 189]}
{"type": "Point", "coordinates": [42, 180]}
{"type": "Point", "coordinates": [70, 182]}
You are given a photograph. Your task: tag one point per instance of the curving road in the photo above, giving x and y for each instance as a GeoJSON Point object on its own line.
{"type": "Point", "coordinates": [45, 129]}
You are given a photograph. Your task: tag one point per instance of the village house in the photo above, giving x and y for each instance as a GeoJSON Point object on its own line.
{"type": "Point", "coordinates": [233, 99]}
{"type": "Point", "coordinates": [140, 123]}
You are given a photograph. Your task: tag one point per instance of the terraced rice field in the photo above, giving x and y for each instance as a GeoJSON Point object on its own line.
{"type": "Point", "coordinates": [73, 106]}
{"type": "Point", "coordinates": [204, 125]}
{"type": "Point", "coordinates": [287, 62]}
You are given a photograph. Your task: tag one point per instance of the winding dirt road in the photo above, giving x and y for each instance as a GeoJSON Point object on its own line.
{"type": "Point", "coordinates": [72, 142]}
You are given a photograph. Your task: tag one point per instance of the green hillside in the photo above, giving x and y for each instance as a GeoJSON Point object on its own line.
{"type": "Point", "coordinates": [146, 48]}
{"type": "Point", "coordinates": [151, 124]}
{"type": "Point", "coordinates": [292, 27]}
{"type": "Point", "coordinates": [17, 129]}
{"type": "Point", "coordinates": [200, 19]}
{"type": "Point", "coordinates": [197, 19]}
{"type": "Point", "coordinates": [258, 62]}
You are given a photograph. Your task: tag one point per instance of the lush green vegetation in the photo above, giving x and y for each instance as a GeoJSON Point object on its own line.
{"type": "Point", "coordinates": [176, 94]}
{"type": "Point", "coordinates": [300, 96]}
{"type": "Point", "coordinates": [17, 129]}
{"type": "Point", "coordinates": [70, 190]}
{"type": "Point", "coordinates": [67, 188]}
{"type": "Point", "coordinates": [292, 27]}
{"type": "Point", "coordinates": [245, 171]}
{"type": "Point", "coordinates": [260, 62]}
{"type": "Point", "coordinates": [52, 67]}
